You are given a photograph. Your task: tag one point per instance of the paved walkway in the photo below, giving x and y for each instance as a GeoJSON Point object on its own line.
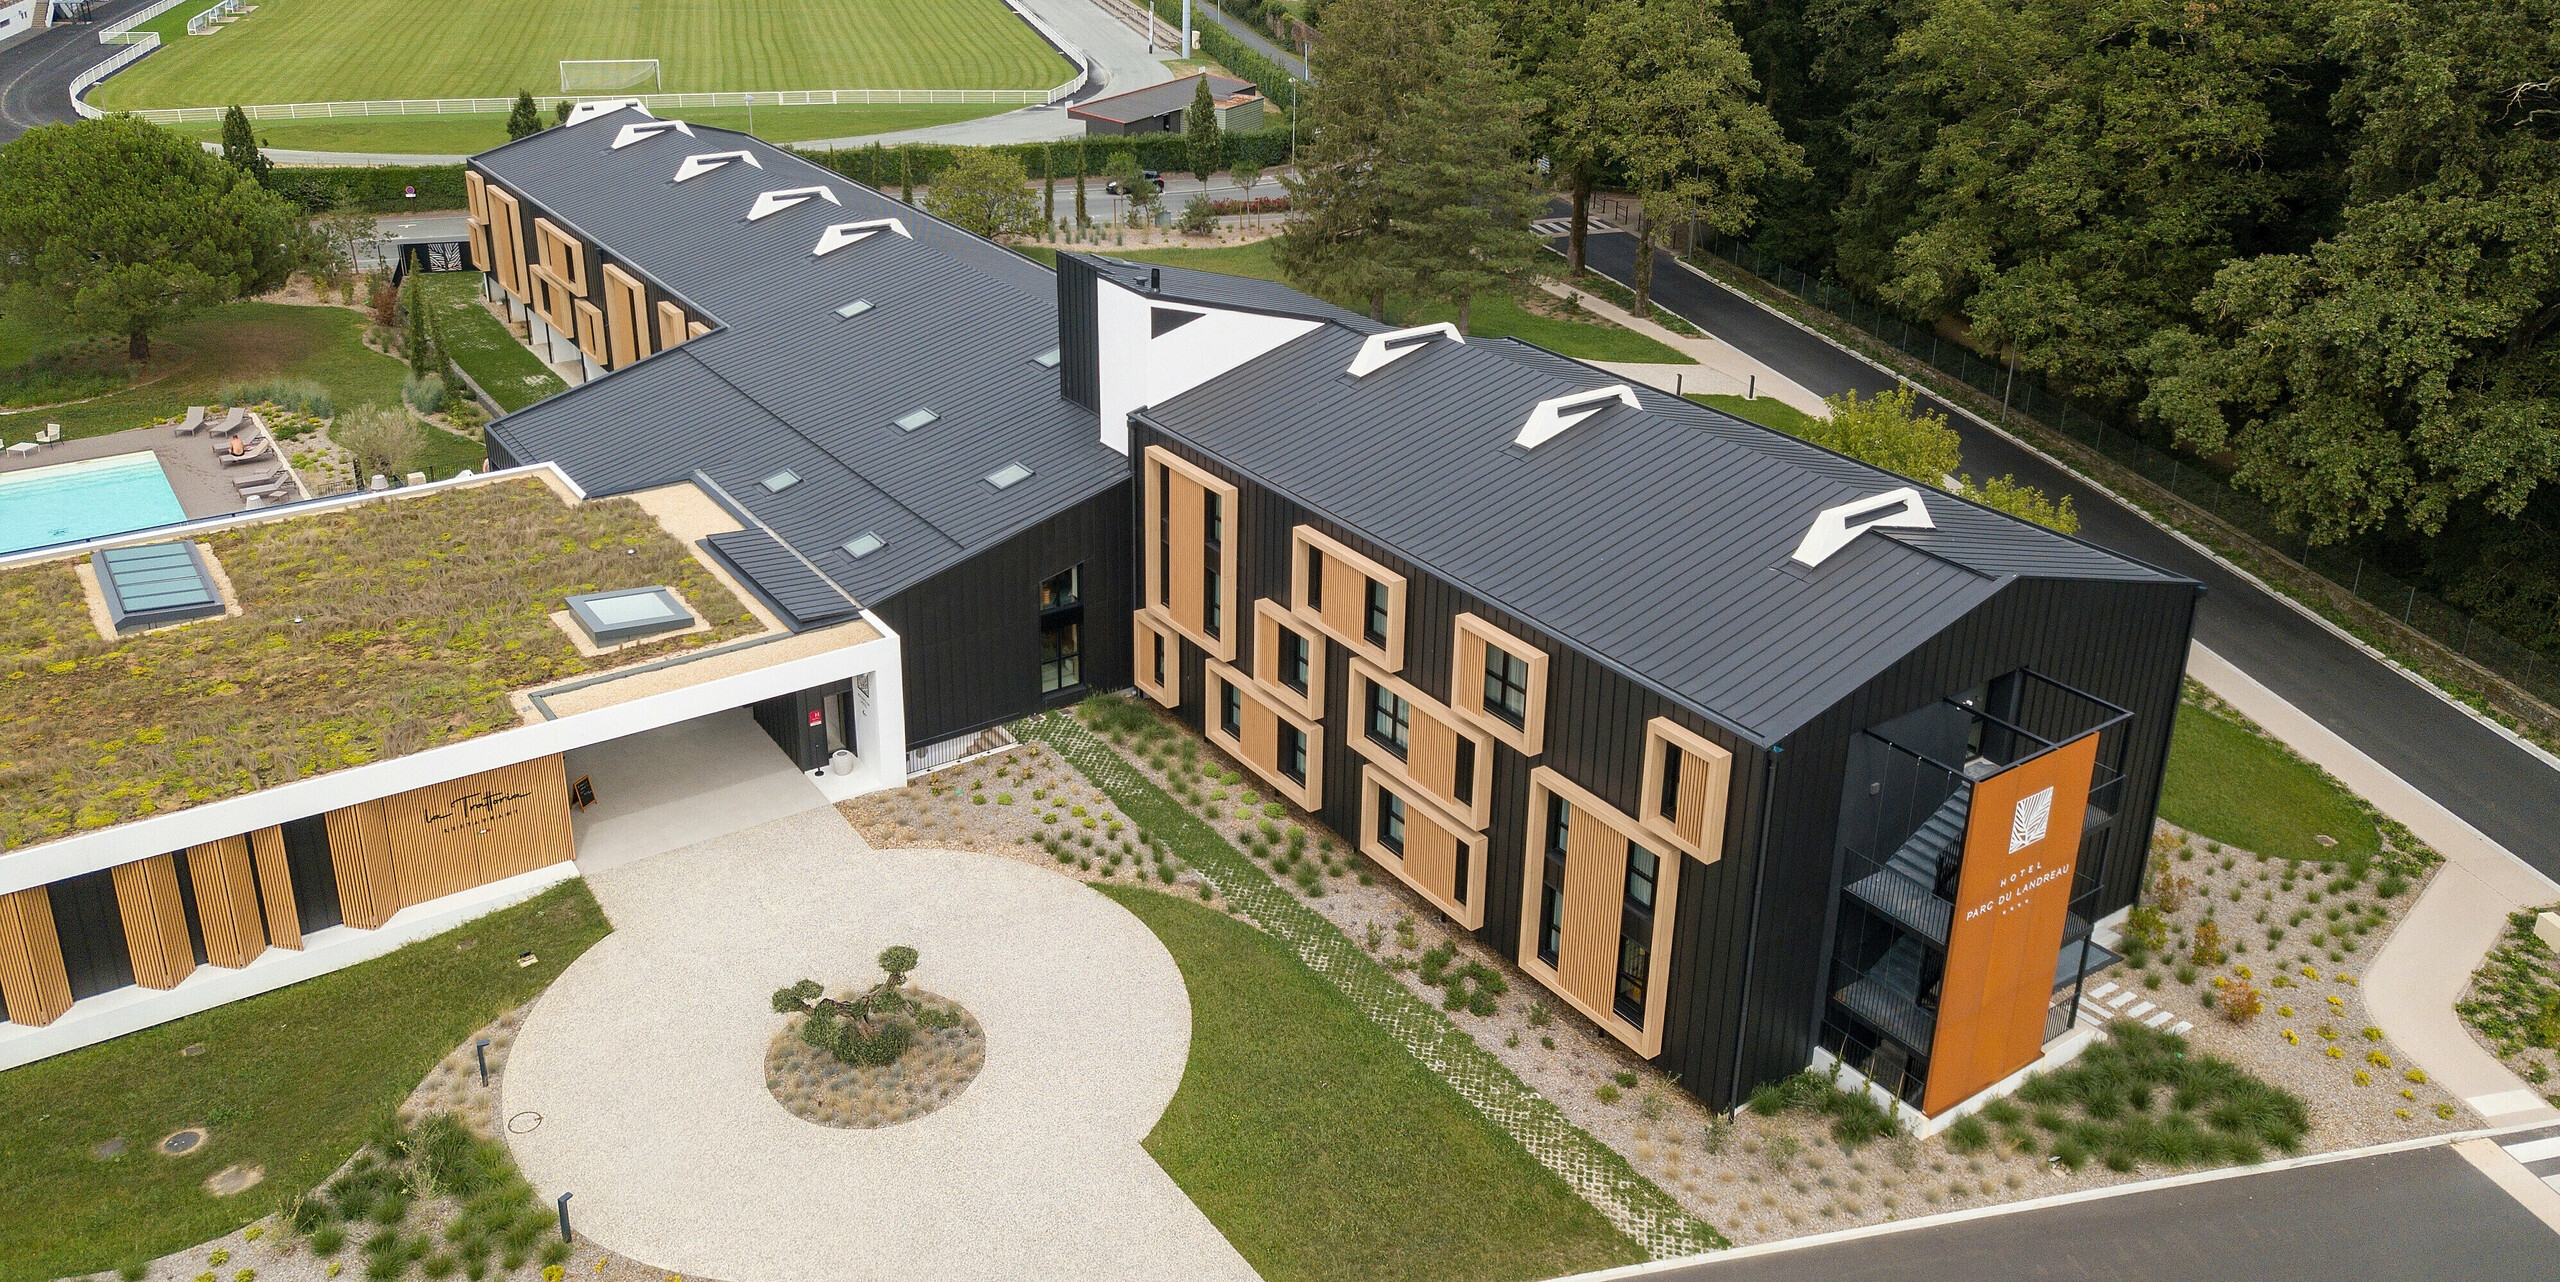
{"type": "Point", "coordinates": [2413, 983]}
{"type": "Point", "coordinates": [645, 1062]}
{"type": "Point", "coordinates": [1722, 369]}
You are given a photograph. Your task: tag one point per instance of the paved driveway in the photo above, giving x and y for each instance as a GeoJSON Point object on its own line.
{"type": "Point", "coordinates": [645, 1064]}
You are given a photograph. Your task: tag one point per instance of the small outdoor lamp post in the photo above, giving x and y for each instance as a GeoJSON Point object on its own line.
{"type": "Point", "coordinates": [564, 1217]}
{"type": "Point", "coordinates": [482, 1050]}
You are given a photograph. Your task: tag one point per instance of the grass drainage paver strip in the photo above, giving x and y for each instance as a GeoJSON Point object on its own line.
{"type": "Point", "coordinates": [1631, 1202]}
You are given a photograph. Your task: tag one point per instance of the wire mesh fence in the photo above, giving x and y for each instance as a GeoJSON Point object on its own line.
{"type": "Point", "coordinates": [2531, 670]}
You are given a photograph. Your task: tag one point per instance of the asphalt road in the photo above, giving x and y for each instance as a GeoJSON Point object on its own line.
{"type": "Point", "coordinates": [2470, 769]}
{"type": "Point", "coordinates": [2426, 1213]}
{"type": "Point", "coordinates": [36, 73]}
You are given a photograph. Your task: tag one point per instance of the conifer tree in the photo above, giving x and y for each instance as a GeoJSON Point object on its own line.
{"type": "Point", "coordinates": [1377, 59]}
{"type": "Point", "coordinates": [1464, 195]}
{"type": "Point", "coordinates": [525, 120]}
{"type": "Point", "coordinates": [1200, 133]}
{"type": "Point", "coordinates": [240, 146]}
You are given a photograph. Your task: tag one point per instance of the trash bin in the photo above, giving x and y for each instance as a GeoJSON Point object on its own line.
{"type": "Point", "coordinates": [841, 763]}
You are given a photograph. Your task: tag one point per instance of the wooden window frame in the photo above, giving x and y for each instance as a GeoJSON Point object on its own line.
{"type": "Point", "coordinates": [1221, 647]}
{"type": "Point", "coordinates": [506, 244]}
{"type": "Point", "coordinates": [626, 316]}
{"type": "Point", "coordinates": [1270, 619]}
{"type": "Point", "coordinates": [1355, 604]}
{"type": "Point", "coordinates": [694, 330]}
{"type": "Point", "coordinates": [1419, 811]}
{"type": "Point", "coordinates": [1466, 684]}
{"type": "Point", "coordinates": [591, 331]}
{"type": "Point", "coordinates": [563, 253]}
{"type": "Point", "coordinates": [671, 331]}
{"type": "Point", "coordinates": [1588, 809]}
{"type": "Point", "coordinates": [475, 194]}
{"type": "Point", "coordinates": [1146, 631]}
{"type": "Point", "coordinates": [481, 258]}
{"type": "Point", "coordinates": [1309, 796]}
{"type": "Point", "coordinates": [1662, 735]}
{"type": "Point", "coordinates": [1477, 813]}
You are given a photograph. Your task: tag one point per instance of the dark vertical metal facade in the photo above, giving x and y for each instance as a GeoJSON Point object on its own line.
{"type": "Point", "coordinates": [970, 636]}
{"type": "Point", "coordinates": [1079, 343]}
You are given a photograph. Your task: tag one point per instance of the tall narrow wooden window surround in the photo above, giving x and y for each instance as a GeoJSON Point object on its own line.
{"type": "Point", "coordinates": [1590, 917]}
{"type": "Point", "coordinates": [1490, 665]}
{"type": "Point", "coordinates": [626, 316]}
{"type": "Point", "coordinates": [591, 338]}
{"type": "Point", "coordinates": [506, 244]}
{"type": "Point", "coordinates": [1685, 782]}
{"type": "Point", "coordinates": [1442, 860]}
{"type": "Point", "coordinates": [1185, 560]}
{"type": "Point", "coordinates": [1348, 597]}
{"type": "Point", "coordinates": [670, 326]}
{"type": "Point", "coordinates": [1159, 658]}
{"type": "Point", "coordinates": [563, 255]}
{"type": "Point", "coordinates": [1288, 659]}
{"type": "Point", "coordinates": [1246, 722]}
{"type": "Point", "coordinates": [1438, 744]}
{"type": "Point", "coordinates": [476, 193]}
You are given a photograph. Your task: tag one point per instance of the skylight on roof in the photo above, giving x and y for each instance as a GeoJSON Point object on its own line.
{"type": "Point", "coordinates": [780, 481]}
{"type": "Point", "coordinates": [1381, 350]}
{"type": "Point", "coordinates": [915, 418]}
{"type": "Point", "coordinates": [643, 131]}
{"type": "Point", "coordinates": [1835, 528]}
{"type": "Point", "coordinates": [854, 308]}
{"type": "Point", "coordinates": [1009, 475]}
{"type": "Point", "coordinates": [864, 544]}
{"type": "Point", "coordinates": [1047, 359]}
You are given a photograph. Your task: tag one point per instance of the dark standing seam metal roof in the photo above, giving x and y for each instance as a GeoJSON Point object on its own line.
{"type": "Point", "coordinates": [1158, 100]}
{"type": "Point", "coordinates": [784, 382]}
{"type": "Point", "coordinates": [786, 582]}
{"type": "Point", "coordinates": [1216, 289]}
{"type": "Point", "coordinates": [1658, 540]}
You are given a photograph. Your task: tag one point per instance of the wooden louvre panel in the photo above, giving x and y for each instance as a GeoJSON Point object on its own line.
{"type": "Point", "coordinates": [1696, 826]}
{"type": "Point", "coordinates": [227, 902]}
{"type": "Point", "coordinates": [275, 888]}
{"type": "Point", "coordinates": [1595, 872]}
{"type": "Point", "coordinates": [1153, 641]}
{"type": "Point", "coordinates": [1586, 970]}
{"type": "Point", "coordinates": [1430, 763]}
{"type": "Point", "coordinates": [591, 339]}
{"type": "Point", "coordinates": [475, 192]}
{"type": "Point", "coordinates": [1170, 480]}
{"type": "Point", "coordinates": [670, 326]}
{"type": "Point", "coordinates": [479, 244]}
{"type": "Point", "coordinates": [449, 837]}
{"type": "Point", "coordinates": [360, 855]}
{"type": "Point", "coordinates": [155, 922]}
{"type": "Point", "coordinates": [562, 253]}
{"type": "Point", "coordinates": [626, 316]}
{"type": "Point", "coordinates": [1273, 624]}
{"type": "Point", "coordinates": [1467, 685]}
{"type": "Point", "coordinates": [32, 978]}
{"type": "Point", "coordinates": [506, 243]}
{"type": "Point", "coordinates": [1329, 587]}
{"type": "Point", "coordinates": [1432, 844]}
{"type": "Point", "coordinates": [1260, 718]}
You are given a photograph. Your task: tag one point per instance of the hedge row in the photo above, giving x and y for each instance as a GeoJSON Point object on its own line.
{"type": "Point", "coordinates": [890, 168]}
{"type": "Point", "coordinates": [381, 190]}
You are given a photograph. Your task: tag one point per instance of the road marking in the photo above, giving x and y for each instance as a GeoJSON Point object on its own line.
{"type": "Point", "coordinates": [2534, 1150]}
{"type": "Point", "coordinates": [2540, 1196]}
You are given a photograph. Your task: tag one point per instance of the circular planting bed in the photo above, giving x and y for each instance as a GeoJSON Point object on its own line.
{"type": "Point", "coordinates": [818, 1085]}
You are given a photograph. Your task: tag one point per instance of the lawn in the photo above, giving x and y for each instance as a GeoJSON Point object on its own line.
{"type": "Point", "coordinates": [483, 346]}
{"type": "Point", "coordinates": [241, 342]}
{"type": "Point", "coordinates": [290, 1080]}
{"type": "Point", "coordinates": [1496, 316]}
{"type": "Point", "coordinates": [1323, 1150]}
{"type": "Point", "coordinates": [469, 134]}
{"type": "Point", "coordinates": [341, 50]}
{"type": "Point", "coordinates": [1766, 411]}
{"type": "Point", "coordinates": [2232, 785]}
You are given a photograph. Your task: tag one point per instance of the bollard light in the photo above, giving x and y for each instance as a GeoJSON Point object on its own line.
{"type": "Point", "coordinates": [564, 1217]}
{"type": "Point", "coordinates": [482, 1050]}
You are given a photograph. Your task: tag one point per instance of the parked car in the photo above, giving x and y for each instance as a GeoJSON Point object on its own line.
{"type": "Point", "coordinates": [1112, 188]}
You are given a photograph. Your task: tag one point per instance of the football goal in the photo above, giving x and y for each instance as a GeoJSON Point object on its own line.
{"type": "Point", "coordinates": [608, 75]}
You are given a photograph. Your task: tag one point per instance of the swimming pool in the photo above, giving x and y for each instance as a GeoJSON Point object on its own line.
{"type": "Point", "coordinates": [83, 500]}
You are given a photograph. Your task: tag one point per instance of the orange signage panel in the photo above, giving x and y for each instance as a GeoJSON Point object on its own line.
{"type": "Point", "coordinates": [2021, 842]}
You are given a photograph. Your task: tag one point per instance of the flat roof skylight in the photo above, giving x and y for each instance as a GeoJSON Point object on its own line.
{"type": "Point", "coordinates": [612, 618]}
{"type": "Point", "coordinates": [864, 544]}
{"type": "Point", "coordinates": [1047, 359]}
{"type": "Point", "coordinates": [854, 308]}
{"type": "Point", "coordinates": [915, 418]}
{"type": "Point", "coordinates": [780, 481]}
{"type": "Point", "coordinates": [1008, 475]}
{"type": "Point", "coordinates": [154, 584]}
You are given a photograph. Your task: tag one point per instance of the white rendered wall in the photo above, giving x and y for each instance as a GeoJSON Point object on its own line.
{"type": "Point", "coordinates": [1138, 370]}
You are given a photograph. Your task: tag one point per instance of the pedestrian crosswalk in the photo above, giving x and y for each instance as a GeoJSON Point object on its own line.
{"type": "Point", "coordinates": [2539, 1151]}
{"type": "Point", "coordinates": [1550, 228]}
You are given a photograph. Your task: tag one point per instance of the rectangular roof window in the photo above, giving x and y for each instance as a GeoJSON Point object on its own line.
{"type": "Point", "coordinates": [916, 418]}
{"type": "Point", "coordinates": [612, 618]}
{"type": "Point", "coordinates": [864, 544]}
{"type": "Point", "coordinates": [854, 308]}
{"type": "Point", "coordinates": [1008, 475]}
{"type": "Point", "coordinates": [780, 481]}
{"type": "Point", "coordinates": [1047, 359]}
{"type": "Point", "coordinates": [154, 584]}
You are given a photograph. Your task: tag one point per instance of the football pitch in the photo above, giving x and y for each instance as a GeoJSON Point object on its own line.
{"type": "Point", "coordinates": [346, 50]}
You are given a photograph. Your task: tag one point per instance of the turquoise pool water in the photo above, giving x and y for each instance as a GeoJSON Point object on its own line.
{"type": "Point", "coordinates": [83, 500]}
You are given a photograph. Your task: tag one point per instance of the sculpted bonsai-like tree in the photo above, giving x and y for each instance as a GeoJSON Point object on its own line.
{"type": "Point", "coordinates": [865, 1030]}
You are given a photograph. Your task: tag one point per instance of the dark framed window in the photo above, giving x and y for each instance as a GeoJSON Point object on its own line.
{"type": "Point", "coordinates": [1635, 932]}
{"type": "Point", "coordinates": [1293, 752]}
{"type": "Point", "coordinates": [1375, 626]}
{"type": "Point", "coordinates": [1551, 892]}
{"type": "Point", "coordinates": [1670, 803]}
{"type": "Point", "coordinates": [1213, 517]}
{"type": "Point", "coordinates": [1390, 718]}
{"type": "Point", "coordinates": [1506, 687]}
{"type": "Point", "coordinates": [1463, 787]}
{"type": "Point", "coordinates": [1295, 660]}
{"type": "Point", "coordinates": [1315, 578]}
{"type": "Point", "coordinates": [1164, 536]}
{"type": "Point", "coordinates": [1466, 855]}
{"type": "Point", "coordinates": [1213, 523]}
{"type": "Point", "coordinates": [1230, 709]}
{"type": "Point", "coordinates": [1062, 630]}
{"type": "Point", "coordinates": [1063, 589]}
{"type": "Point", "coordinates": [1391, 822]}
{"type": "Point", "coordinates": [1158, 637]}
{"type": "Point", "coordinates": [1211, 617]}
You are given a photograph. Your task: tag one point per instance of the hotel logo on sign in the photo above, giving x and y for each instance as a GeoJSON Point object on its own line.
{"type": "Point", "coordinates": [2028, 823]}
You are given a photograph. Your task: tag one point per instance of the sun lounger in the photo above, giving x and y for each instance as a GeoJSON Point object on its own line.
{"type": "Point", "coordinates": [231, 422]}
{"type": "Point", "coordinates": [280, 486]}
{"type": "Point", "coordinates": [259, 452]}
{"type": "Point", "coordinates": [194, 422]}
{"type": "Point", "coordinates": [259, 482]}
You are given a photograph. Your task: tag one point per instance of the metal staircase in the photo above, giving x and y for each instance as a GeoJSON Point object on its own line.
{"type": "Point", "coordinates": [1914, 885]}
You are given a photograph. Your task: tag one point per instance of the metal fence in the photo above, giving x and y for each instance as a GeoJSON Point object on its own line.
{"type": "Point", "coordinates": [2531, 670]}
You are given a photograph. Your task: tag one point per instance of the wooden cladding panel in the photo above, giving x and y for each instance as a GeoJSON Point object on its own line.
{"type": "Point", "coordinates": [1340, 604]}
{"type": "Point", "coordinates": [1432, 843]}
{"type": "Point", "coordinates": [32, 977]}
{"type": "Point", "coordinates": [1706, 779]}
{"type": "Point", "coordinates": [1272, 622]}
{"type": "Point", "coordinates": [1430, 763]}
{"type": "Point", "coordinates": [591, 336]}
{"type": "Point", "coordinates": [1595, 872]}
{"type": "Point", "coordinates": [1466, 685]}
{"type": "Point", "coordinates": [475, 191]}
{"type": "Point", "coordinates": [479, 232]}
{"type": "Point", "coordinates": [227, 908]}
{"type": "Point", "coordinates": [563, 254]}
{"type": "Point", "coordinates": [1432, 756]}
{"type": "Point", "coordinates": [626, 316]}
{"type": "Point", "coordinates": [1186, 610]}
{"type": "Point", "coordinates": [360, 854]}
{"type": "Point", "coordinates": [1148, 635]}
{"type": "Point", "coordinates": [450, 837]}
{"type": "Point", "coordinates": [155, 922]}
{"type": "Point", "coordinates": [695, 329]}
{"type": "Point", "coordinates": [275, 888]}
{"type": "Point", "coordinates": [1259, 749]}
{"type": "Point", "coordinates": [506, 244]}
{"type": "Point", "coordinates": [670, 326]}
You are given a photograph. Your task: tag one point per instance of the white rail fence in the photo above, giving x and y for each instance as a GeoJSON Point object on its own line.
{"type": "Point", "coordinates": [215, 15]}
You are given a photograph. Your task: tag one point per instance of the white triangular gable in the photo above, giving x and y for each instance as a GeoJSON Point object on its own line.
{"type": "Point", "coordinates": [774, 202]}
{"type": "Point", "coordinates": [696, 166]}
{"type": "Point", "coordinates": [1549, 418]}
{"type": "Point", "coordinates": [581, 113]}
{"type": "Point", "coordinates": [639, 132]}
{"type": "Point", "coordinates": [1834, 527]}
{"type": "Point", "coordinates": [843, 234]}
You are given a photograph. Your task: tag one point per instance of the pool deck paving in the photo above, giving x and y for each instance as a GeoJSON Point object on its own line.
{"type": "Point", "coordinates": [638, 1085]}
{"type": "Point", "coordinates": [203, 486]}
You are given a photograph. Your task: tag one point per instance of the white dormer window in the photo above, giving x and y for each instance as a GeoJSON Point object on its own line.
{"type": "Point", "coordinates": [774, 202]}
{"type": "Point", "coordinates": [639, 131]}
{"type": "Point", "coordinates": [843, 234]}
{"type": "Point", "coordinates": [1551, 417]}
{"type": "Point", "coordinates": [696, 166]}
{"type": "Point", "coordinates": [1834, 527]}
{"type": "Point", "coordinates": [1382, 350]}
{"type": "Point", "coordinates": [581, 113]}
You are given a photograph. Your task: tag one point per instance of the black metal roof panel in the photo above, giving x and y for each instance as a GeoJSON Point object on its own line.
{"type": "Point", "coordinates": [955, 325]}
{"type": "Point", "coordinates": [787, 583]}
{"type": "Point", "coordinates": [1658, 539]}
